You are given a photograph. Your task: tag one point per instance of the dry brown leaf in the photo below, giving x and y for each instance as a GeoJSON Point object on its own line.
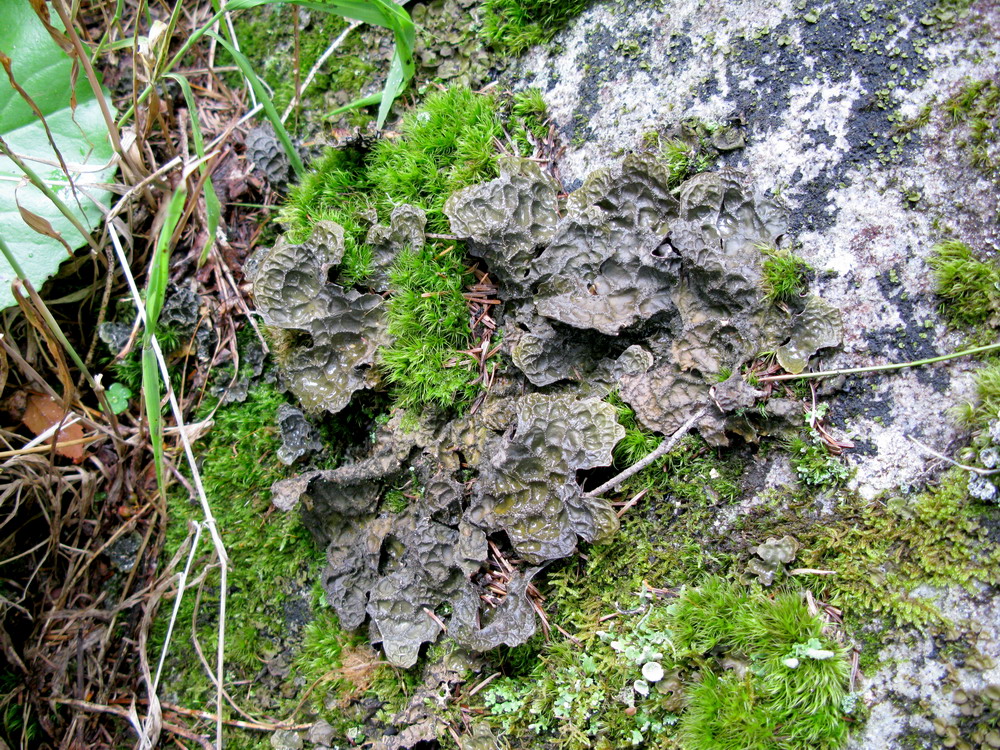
{"type": "Point", "coordinates": [42, 413]}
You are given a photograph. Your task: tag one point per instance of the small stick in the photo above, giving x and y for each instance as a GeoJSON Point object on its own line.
{"type": "Point", "coordinates": [483, 684]}
{"type": "Point", "coordinates": [880, 368]}
{"type": "Point", "coordinates": [436, 619]}
{"type": "Point", "coordinates": [931, 451]}
{"type": "Point", "coordinates": [811, 571]}
{"type": "Point", "coordinates": [661, 450]}
{"type": "Point", "coordinates": [633, 501]}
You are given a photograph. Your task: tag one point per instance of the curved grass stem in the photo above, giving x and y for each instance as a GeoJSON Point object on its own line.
{"type": "Point", "coordinates": [881, 368]}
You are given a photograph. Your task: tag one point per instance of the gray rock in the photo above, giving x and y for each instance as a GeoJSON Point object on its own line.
{"type": "Point", "coordinates": [321, 733]}
{"type": "Point", "coordinates": [286, 739]}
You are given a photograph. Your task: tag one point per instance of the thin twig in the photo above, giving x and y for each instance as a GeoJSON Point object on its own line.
{"type": "Point", "coordinates": [316, 67]}
{"type": "Point", "coordinates": [880, 368]}
{"type": "Point", "coordinates": [662, 449]}
{"type": "Point", "coordinates": [482, 684]}
{"type": "Point", "coordinates": [931, 451]}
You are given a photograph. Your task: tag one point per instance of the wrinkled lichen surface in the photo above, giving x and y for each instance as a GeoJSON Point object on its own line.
{"type": "Point", "coordinates": [624, 285]}
{"type": "Point", "coordinates": [336, 331]}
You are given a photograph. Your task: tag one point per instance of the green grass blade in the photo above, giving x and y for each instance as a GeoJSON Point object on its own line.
{"type": "Point", "coordinates": [159, 267]}
{"type": "Point", "coordinates": [151, 397]}
{"type": "Point", "coordinates": [265, 99]}
{"type": "Point", "coordinates": [395, 82]}
{"type": "Point", "coordinates": [213, 207]}
{"type": "Point", "coordinates": [156, 291]}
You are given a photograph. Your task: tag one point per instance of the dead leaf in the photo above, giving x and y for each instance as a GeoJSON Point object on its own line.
{"type": "Point", "coordinates": [41, 225]}
{"type": "Point", "coordinates": [42, 413]}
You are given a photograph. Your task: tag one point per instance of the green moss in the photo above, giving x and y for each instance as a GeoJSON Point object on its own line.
{"type": "Point", "coordinates": [593, 694]}
{"type": "Point", "coordinates": [785, 275]}
{"type": "Point", "coordinates": [529, 120]}
{"type": "Point", "coordinates": [338, 189]}
{"type": "Point", "coordinates": [973, 112]}
{"type": "Point", "coordinates": [968, 287]}
{"type": "Point", "coordinates": [445, 145]}
{"type": "Point", "coordinates": [987, 405]}
{"type": "Point", "coordinates": [814, 465]}
{"type": "Point", "coordinates": [880, 551]}
{"type": "Point", "coordinates": [637, 443]}
{"type": "Point", "coordinates": [515, 25]}
{"type": "Point", "coordinates": [687, 156]}
{"type": "Point", "coordinates": [429, 322]}
{"type": "Point", "coordinates": [271, 557]}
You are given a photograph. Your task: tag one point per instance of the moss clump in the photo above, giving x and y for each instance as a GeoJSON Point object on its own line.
{"type": "Point", "coordinates": [637, 443]}
{"type": "Point", "coordinates": [686, 153]}
{"type": "Point", "coordinates": [271, 557]}
{"type": "Point", "coordinates": [529, 122]}
{"type": "Point", "coordinates": [656, 677]}
{"type": "Point", "coordinates": [795, 680]}
{"type": "Point", "coordinates": [429, 323]}
{"type": "Point", "coordinates": [446, 144]}
{"type": "Point", "coordinates": [515, 25]}
{"type": "Point", "coordinates": [976, 108]}
{"type": "Point", "coordinates": [986, 408]}
{"type": "Point", "coordinates": [785, 275]}
{"type": "Point", "coordinates": [882, 550]}
{"type": "Point", "coordinates": [968, 287]}
{"type": "Point", "coordinates": [336, 189]}
{"type": "Point", "coordinates": [814, 465]}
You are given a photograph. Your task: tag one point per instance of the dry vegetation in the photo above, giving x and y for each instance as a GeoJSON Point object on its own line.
{"type": "Point", "coordinates": [82, 519]}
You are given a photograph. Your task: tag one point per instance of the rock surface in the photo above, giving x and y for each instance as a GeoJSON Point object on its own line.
{"type": "Point", "coordinates": [829, 98]}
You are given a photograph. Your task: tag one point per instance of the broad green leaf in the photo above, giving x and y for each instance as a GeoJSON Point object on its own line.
{"type": "Point", "coordinates": [43, 71]}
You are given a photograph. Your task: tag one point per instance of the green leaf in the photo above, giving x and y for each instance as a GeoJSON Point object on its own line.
{"type": "Point", "coordinates": [118, 396]}
{"type": "Point", "coordinates": [42, 69]}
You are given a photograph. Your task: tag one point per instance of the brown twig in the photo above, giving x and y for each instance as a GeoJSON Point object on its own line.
{"type": "Point", "coordinates": [662, 449]}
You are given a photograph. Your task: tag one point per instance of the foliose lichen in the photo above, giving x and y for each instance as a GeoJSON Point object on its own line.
{"type": "Point", "coordinates": [625, 285]}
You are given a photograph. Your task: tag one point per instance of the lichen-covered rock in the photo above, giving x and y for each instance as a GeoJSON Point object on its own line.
{"type": "Point", "coordinates": [335, 331]}
{"type": "Point", "coordinates": [528, 488]}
